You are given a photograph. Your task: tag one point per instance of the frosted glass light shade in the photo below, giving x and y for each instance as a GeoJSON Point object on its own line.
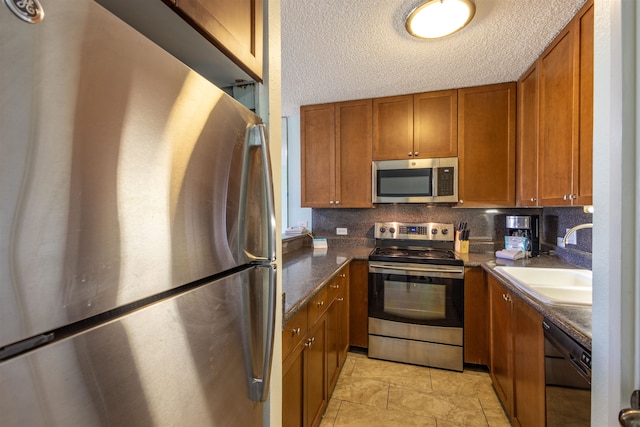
{"type": "Point", "coordinates": [439, 18]}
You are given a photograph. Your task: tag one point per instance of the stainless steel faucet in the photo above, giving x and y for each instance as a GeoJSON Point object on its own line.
{"type": "Point", "coordinates": [573, 230]}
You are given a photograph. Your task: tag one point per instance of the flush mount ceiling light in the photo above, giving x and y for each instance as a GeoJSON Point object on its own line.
{"type": "Point", "coordinates": [439, 18]}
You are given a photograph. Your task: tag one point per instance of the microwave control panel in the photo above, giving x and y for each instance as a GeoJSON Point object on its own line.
{"type": "Point", "coordinates": [445, 181]}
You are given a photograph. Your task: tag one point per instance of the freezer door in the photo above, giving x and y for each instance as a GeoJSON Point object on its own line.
{"type": "Point", "coordinates": [186, 361]}
{"type": "Point", "coordinates": [122, 172]}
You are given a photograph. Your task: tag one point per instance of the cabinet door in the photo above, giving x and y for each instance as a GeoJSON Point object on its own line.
{"type": "Point", "coordinates": [342, 300]}
{"type": "Point", "coordinates": [486, 145]}
{"type": "Point", "coordinates": [476, 317]}
{"type": "Point", "coordinates": [332, 330]}
{"type": "Point", "coordinates": [233, 27]}
{"type": "Point", "coordinates": [393, 127]}
{"type": "Point", "coordinates": [353, 154]}
{"type": "Point", "coordinates": [358, 304]}
{"type": "Point", "coordinates": [293, 388]}
{"type": "Point", "coordinates": [316, 373]}
{"type": "Point", "coordinates": [317, 140]}
{"type": "Point", "coordinates": [558, 107]}
{"type": "Point", "coordinates": [501, 343]}
{"type": "Point", "coordinates": [435, 124]}
{"type": "Point", "coordinates": [528, 364]}
{"type": "Point", "coordinates": [527, 141]}
{"type": "Point", "coordinates": [584, 171]}
{"type": "Point", "coordinates": [294, 331]}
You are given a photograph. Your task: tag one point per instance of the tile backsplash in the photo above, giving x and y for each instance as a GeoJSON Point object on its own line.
{"type": "Point", "coordinates": [487, 225]}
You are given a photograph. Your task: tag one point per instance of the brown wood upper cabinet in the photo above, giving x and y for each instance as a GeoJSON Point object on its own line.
{"type": "Point", "coordinates": [556, 120]}
{"type": "Point", "coordinates": [486, 145]}
{"type": "Point", "coordinates": [234, 27]}
{"type": "Point", "coordinates": [527, 141]}
{"type": "Point", "coordinates": [421, 125]}
{"type": "Point", "coordinates": [336, 154]}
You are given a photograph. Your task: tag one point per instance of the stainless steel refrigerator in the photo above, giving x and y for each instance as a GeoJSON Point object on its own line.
{"type": "Point", "coordinates": [137, 285]}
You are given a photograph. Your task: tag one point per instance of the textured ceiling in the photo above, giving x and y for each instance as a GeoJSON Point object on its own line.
{"type": "Point", "coordinates": [336, 50]}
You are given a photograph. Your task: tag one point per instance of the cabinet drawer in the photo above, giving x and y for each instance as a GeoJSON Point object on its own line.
{"type": "Point", "coordinates": [293, 331]}
{"type": "Point", "coordinates": [334, 287]}
{"type": "Point", "coordinates": [318, 305]}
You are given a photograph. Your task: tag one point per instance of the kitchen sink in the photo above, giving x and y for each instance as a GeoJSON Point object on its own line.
{"type": "Point", "coordinates": [560, 286]}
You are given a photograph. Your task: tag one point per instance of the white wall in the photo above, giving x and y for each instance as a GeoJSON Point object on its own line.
{"type": "Point", "coordinates": [615, 238]}
{"type": "Point", "coordinates": [296, 213]}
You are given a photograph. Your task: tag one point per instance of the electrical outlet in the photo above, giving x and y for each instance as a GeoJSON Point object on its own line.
{"type": "Point", "coordinates": [573, 239]}
{"type": "Point", "coordinates": [341, 231]}
{"type": "Point", "coordinates": [560, 242]}
{"type": "Point", "coordinates": [302, 224]}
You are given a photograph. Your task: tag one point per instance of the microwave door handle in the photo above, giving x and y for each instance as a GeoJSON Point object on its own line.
{"type": "Point", "coordinates": [434, 181]}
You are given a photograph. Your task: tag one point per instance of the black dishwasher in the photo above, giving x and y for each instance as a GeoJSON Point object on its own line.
{"type": "Point", "coordinates": [567, 379]}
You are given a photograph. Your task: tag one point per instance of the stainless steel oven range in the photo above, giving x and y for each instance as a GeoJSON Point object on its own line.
{"type": "Point", "coordinates": [416, 295]}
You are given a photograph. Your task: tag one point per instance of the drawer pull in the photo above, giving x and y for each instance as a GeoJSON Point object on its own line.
{"type": "Point", "coordinates": [340, 299]}
{"type": "Point", "coordinates": [295, 331]}
{"type": "Point", "coordinates": [335, 286]}
{"type": "Point", "coordinates": [320, 304]}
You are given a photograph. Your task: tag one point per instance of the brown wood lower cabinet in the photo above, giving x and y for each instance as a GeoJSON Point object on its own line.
{"type": "Point", "coordinates": [528, 366]}
{"type": "Point", "coordinates": [501, 342]}
{"type": "Point", "coordinates": [476, 317]}
{"type": "Point", "coordinates": [312, 362]}
{"type": "Point", "coordinates": [516, 356]}
{"type": "Point", "coordinates": [359, 303]}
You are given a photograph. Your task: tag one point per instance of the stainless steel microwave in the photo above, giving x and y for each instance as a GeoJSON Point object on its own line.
{"type": "Point", "coordinates": [416, 181]}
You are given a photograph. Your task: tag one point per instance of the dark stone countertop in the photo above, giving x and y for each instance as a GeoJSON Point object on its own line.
{"type": "Point", "coordinates": [306, 271]}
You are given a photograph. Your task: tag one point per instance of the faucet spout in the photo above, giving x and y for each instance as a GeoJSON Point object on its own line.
{"type": "Point", "coordinates": [573, 230]}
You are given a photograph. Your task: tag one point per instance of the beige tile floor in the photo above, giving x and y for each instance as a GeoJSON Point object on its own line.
{"type": "Point", "coordinates": [373, 392]}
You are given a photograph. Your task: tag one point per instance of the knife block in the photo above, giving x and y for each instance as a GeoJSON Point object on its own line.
{"type": "Point", "coordinates": [461, 246]}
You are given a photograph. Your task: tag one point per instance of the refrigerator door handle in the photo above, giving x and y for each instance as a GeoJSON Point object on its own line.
{"type": "Point", "coordinates": [268, 183]}
{"type": "Point", "coordinates": [259, 386]}
{"type": "Point", "coordinates": [257, 137]}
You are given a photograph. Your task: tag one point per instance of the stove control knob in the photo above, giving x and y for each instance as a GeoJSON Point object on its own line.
{"type": "Point", "coordinates": [434, 231]}
{"type": "Point", "coordinates": [445, 231]}
{"type": "Point", "coordinates": [383, 229]}
{"type": "Point", "coordinates": [392, 230]}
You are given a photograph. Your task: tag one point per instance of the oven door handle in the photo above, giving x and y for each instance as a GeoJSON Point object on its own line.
{"type": "Point", "coordinates": [413, 270]}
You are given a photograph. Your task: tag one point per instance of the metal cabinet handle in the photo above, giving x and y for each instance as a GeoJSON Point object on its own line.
{"type": "Point", "coordinates": [415, 154]}
{"type": "Point", "coordinates": [295, 331]}
{"type": "Point", "coordinates": [320, 304]}
{"type": "Point", "coordinates": [340, 299]}
{"type": "Point", "coordinates": [330, 202]}
{"type": "Point", "coordinates": [335, 286]}
{"type": "Point", "coordinates": [310, 342]}
{"type": "Point", "coordinates": [533, 199]}
{"type": "Point", "coordinates": [337, 202]}
{"type": "Point", "coordinates": [461, 201]}
{"type": "Point", "coordinates": [410, 154]}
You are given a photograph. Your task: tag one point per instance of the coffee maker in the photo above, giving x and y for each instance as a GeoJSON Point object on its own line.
{"type": "Point", "coordinates": [523, 233]}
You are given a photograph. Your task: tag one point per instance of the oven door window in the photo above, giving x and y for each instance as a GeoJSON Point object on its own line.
{"type": "Point", "coordinates": [416, 299]}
